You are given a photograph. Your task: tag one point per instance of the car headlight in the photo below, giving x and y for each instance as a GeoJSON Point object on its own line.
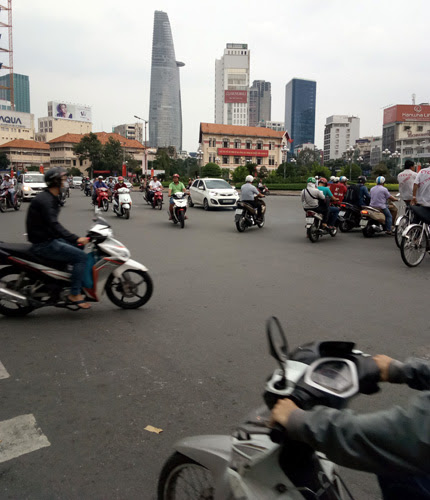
{"type": "Point", "coordinates": [26, 188]}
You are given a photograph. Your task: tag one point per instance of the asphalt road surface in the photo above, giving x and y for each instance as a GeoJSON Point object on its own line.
{"type": "Point", "coordinates": [193, 360]}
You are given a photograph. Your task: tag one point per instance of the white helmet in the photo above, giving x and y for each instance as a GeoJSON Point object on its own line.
{"type": "Point", "coordinates": [249, 178]}
{"type": "Point", "coordinates": [332, 178]}
{"type": "Point", "coordinates": [343, 179]}
{"type": "Point", "coordinates": [336, 179]}
{"type": "Point", "coordinates": [380, 179]}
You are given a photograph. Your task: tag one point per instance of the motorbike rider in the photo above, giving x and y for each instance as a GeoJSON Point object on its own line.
{"type": "Point", "coordinates": [175, 187]}
{"type": "Point", "coordinates": [250, 194]}
{"type": "Point", "coordinates": [406, 181]}
{"type": "Point", "coordinates": [340, 188]}
{"type": "Point", "coordinates": [53, 241]}
{"type": "Point", "coordinates": [333, 210]}
{"type": "Point", "coordinates": [365, 442]}
{"type": "Point", "coordinates": [8, 185]}
{"type": "Point", "coordinates": [314, 199]}
{"type": "Point", "coordinates": [379, 195]}
{"type": "Point", "coordinates": [261, 187]}
{"type": "Point", "coordinates": [153, 186]}
{"type": "Point", "coordinates": [98, 184]}
{"type": "Point", "coordinates": [363, 192]}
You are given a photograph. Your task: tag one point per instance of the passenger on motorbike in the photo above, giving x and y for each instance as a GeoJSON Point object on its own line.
{"type": "Point", "coordinates": [393, 443]}
{"type": "Point", "coordinates": [53, 241]}
{"type": "Point", "coordinates": [98, 184]}
{"type": "Point", "coordinates": [175, 187]}
{"type": "Point", "coordinates": [314, 199]}
{"type": "Point", "coordinates": [333, 210]}
{"type": "Point", "coordinates": [379, 195]}
{"type": "Point", "coordinates": [8, 185]}
{"type": "Point", "coordinates": [250, 194]}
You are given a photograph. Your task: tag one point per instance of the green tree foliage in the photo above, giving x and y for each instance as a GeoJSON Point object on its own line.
{"type": "Point", "coordinates": [251, 168]}
{"type": "Point", "coordinates": [113, 155]}
{"type": "Point", "coordinates": [90, 148]}
{"type": "Point", "coordinates": [380, 169]}
{"type": "Point", "coordinates": [355, 171]}
{"type": "Point", "coordinates": [308, 157]}
{"type": "Point", "coordinates": [263, 172]}
{"type": "Point", "coordinates": [74, 172]}
{"type": "Point", "coordinates": [239, 174]}
{"type": "Point", "coordinates": [4, 161]}
{"type": "Point", "coordinates": [211, 170]}
{"type": "Point", "coordinates": [192, 167]}
{"type": "Point", "coordinates": [288, 171]}
{"type": "Point", "coordinates": [225, 173]}
{"type": "Point", "coordinates": [320, 171]}
{"type": "Point", "coordinates": [335, 165]}
{"type": "Point", "coordinates": [162, 162]}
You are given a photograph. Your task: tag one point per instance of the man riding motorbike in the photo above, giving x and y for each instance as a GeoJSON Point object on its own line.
{"type": "Point", "coordinates": [53, 241]}
{"type": "Point", "coordinates": [379, 195]}
{"type": "Point", "coordinates": [8, 185]}
{"type": "Point", "coordinates": [98, 184]}
{"type": "Point", "coordinates": [393, 443]}
{"type": "Point", "coordinates": [175, 187]}
{"type": "Point", "coordinates": [248, 194]}
{"type": "Point", "coordinates": [153, 185]}
{"type": "Point", "coordinates": [314, 199]}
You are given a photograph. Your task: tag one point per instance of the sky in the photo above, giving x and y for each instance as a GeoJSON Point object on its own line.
{"type": "Point", "coordinates": [363, 55]}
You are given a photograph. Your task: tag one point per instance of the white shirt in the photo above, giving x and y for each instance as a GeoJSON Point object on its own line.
{"type": "Point", "coordinates": [406, 183]}
{"type": "Point", "coordinates": [423, 191]}
{"type": "Point", "coordinates": [7, 184]}
{"type": "Point", "coordinates": [155, 185]}
{"type": "Point", "coordinates": [310, 196]}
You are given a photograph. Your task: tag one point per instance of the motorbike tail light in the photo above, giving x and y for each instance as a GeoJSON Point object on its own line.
{"type": "Point", "coordinates": [364, 212]}
{"type": "Point", "coordinates": [343, 205]}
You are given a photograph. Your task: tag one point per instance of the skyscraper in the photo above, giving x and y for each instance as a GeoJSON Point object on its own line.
{"type": "Point", "coordinates": [232, 85]}
{"type": "Point", "coordinates": [260, 103]}
{"type": "Point", "coordinates": [21, 90]}
{"type": "Point", "coordinates": [300, 99]}
{"type": "Point", "coordinates": [165, 113]}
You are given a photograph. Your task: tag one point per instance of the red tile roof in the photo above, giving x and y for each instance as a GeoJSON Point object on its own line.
{"type": "Point", "coordinates": [103, 137]}
{"type": "Point", "coordinates": [238, 130]}
{"type": "Point", "coordinates": [25, 144]}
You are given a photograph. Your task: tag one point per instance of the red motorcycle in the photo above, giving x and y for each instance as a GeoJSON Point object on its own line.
{"type": "Point", "coordinates": [157, 199]}
{"type": "Point", "coordinates": [102, 198]}
{"type": "Point", "coordinates": [9, 199]}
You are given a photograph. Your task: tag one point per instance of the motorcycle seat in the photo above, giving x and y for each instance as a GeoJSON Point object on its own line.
{"type": "Point", "coordinates": [23, 251]}
{"type": "Point", "coordinates": [250, 208]}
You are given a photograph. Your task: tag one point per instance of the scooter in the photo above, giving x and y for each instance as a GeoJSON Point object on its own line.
{"type": "Point", "coordinates": [121, 203]}
{"type": "Point", "coordinates": [180, 204]}
{"type": "Point", "coordinates": [157, 199]}
{"type": "Point", "coordinates": [102, 199]}
{"type": "Point", "coordinates": [28, 282]}
{"type": "Point", "coordinates": [349, 217]}
{"type": "Point", "coordinates": [9, 199]}
{"type": "Point", "coordinates": [258, 462]}
{"type": "Point", "coordinates": [314, 227]}
{"type": "Point", "coordinates": [246, 215]}
{"type": "Point", "coordinates": [87, 189]}
{"type": "Point", "coordinates": [373, 220]}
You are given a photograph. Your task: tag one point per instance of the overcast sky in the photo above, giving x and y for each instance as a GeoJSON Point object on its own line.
{"type": "Point", "coordinates": [363, 55]}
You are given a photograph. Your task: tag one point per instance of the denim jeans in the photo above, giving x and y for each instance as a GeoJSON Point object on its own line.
{"type": "Point", "coordinates": [405, 487]}
{"type": "Point", "coordinates": [62, 251]}
{"type": "Point", "coordinates": [388, 219]}
{"type": "Point", "coordinates": [332, 217]}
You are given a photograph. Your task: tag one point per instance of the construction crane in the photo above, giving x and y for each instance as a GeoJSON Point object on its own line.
{"type": "Point", "coordinates": [9, 50]}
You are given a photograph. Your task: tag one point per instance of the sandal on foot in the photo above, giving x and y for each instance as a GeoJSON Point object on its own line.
{"type": "Point", "coordinates": [79, 303]}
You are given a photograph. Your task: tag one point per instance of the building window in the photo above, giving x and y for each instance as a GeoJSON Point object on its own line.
{"type": "Point", "coordinates": [237, 160]}
{"type": "Point", "coordinates": [420, 128]}
{"type": "Point", "coordinates": [248, 145]}
{"type": "Point", "coordinates": [407, 127]}
{"type": "Point", "coordinates": [225, 160]}
{"type": "Point", "coordinates": [258, 161]}
{"type": "Point", "coordinates": [237, 144]}
{"type": "Point", "coordinates": [225, 143]}
{"type": "Point", "coordinates": [259, 145]}
{"type": "Point", "coordinates": [271, 146]}
{"type": "Point", "coordinates": [271, 160]}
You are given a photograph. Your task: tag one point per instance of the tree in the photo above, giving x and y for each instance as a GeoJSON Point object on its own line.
{"type": "Point", "coordinates": [4, 161]}
{"type": "Point", "coordinates": [239, 174]}
{"type": "Point", "coordinates": [251, 168]}
{"type": "Point", "coordinates": [90, 148]}
{"type": "Point", "coordinates": [74, 171]}
{"type": "Point", "coordinates": [320, 171]}
{"type": "Point", "coordinates": [308, 156]}
{"type": "Point", "coordinates": [162, 161]}
{"type": "Point", "coordinates": [263, 172]}
{"type": "Point", "coordinates": [355, 171]}
{"type": "Point", "coordinates": [380, 169]}
{"type": "Point", "coordinates": [113, 155]}
{"type": "Point", "coordinates": [211, 170]}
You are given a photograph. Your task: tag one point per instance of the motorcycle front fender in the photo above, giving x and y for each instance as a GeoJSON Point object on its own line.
{"type": "Point", "coordinates": [125, 205]}
{"type": "Point", "coordinates": [129, 264]}
{"type": "Point", "coordinates": [237, 218]}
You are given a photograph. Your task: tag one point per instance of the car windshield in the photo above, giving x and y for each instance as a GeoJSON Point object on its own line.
{"type": "Point", "coordinates": [77, 179]}
{"type": "Point", "coordinates": [218, 184]}
{"type": "Point", "coordinates": [34, 178]}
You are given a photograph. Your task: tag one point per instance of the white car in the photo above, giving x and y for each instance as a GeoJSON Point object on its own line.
{"type": "Point", "coordinates": [212, 193]}
{"type": "Point", "coordinates": [77, 181]}
{"type": "Point", "coordinates": [128, 184]}
{"type": "Point", "coordinates": [29, 185]}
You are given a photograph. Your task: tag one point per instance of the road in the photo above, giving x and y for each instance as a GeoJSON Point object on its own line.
{"type": "Point", "coordinates": [194, 359]}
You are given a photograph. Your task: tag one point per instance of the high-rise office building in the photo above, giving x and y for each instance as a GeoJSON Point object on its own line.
{"type": "Point", "coordinates": [260, 103]}
{"type": "Point", "coordinates": [300, 100]}
{"type": "Point", "coordinates": [165, 113]}
{"type": "Point", "coordinates": [21, 90]}
{"type": "Point", "coordinates": [232, 85]}
{"type": "Point", "coordinates": [340, 132]}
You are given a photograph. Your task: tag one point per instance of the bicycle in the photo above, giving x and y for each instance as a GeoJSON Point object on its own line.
{"type": "Point", "coordinates": [402, 223]}
{"type": "Point", "coordinates": [415, 243]}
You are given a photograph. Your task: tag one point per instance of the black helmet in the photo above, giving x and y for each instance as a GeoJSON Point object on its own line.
{"type": "Point", "coordinates": [362, 179]}
{"type": "Point", "coordinates": [53, 176]}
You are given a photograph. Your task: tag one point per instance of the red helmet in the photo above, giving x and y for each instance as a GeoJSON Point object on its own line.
{"type": "Point", "coordinates": [120, 178]}
{"type": "Point", "coordinates": [322, 180]}
{"type": "Point", "coordinates": [175, 175]}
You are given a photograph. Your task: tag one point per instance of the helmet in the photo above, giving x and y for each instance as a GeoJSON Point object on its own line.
{"type": "Point", "coordinates": [120, 178]}
{"type": "Point", "coordinates": [249, 178]}
{"type": "Point", "coordinates": [362, 179]}
{"type": "Point", "coordinates": [343, 178]}
{"type": "Point", "coordinates": [332, 178]}
{"type": "Point", "coordinates": [380, 179]}
{"type": "Point", "coordinates": [7, 175]}
{"type": "Point", "coordinates": [100, 177]}
{"type": "Point", "coordinates": [53, 176]}
{"type": "Point", "coordinates": [175, 175]}
{"type": "Point", "coordinates": [311, 180]}
{"type": "Point", "coordinates": [336, 179]}
{"type": "Point", "coordinates": [322, 180]}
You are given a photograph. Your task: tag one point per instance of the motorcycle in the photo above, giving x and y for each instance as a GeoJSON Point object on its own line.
{"type": "Point", "coordinates": [9, 199]}
{"type": "Point", "coordinates": [349, 217]}
{"type": "Point", "coordinates": [121, 203]}
{"type": "Point", "coordinates": [246, 215]}
{"type": "Point", "coordinates": [147, 196]}
{"type": "Point", "coordinates": [157, 199]}
{"type": "Point", "coordinates": [102, 199]}
{"type": "Point", "coordinates": [179, 208]}
{"type": "Point", "coordinates": [63, 196]}
{"type": "Point", "coordinates": [29, 282]}
{"type": "Point", "coordinates": [257, 461]}
{"type": "Point", "coordinates": [87, 189]}
{"type": "Point", "coordinates": [314, 229]}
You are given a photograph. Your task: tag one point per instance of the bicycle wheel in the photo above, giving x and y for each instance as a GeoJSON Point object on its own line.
{"type": "Point", "coordinates": [414, 245]}
{"type": "Point", "coordinates": [400, 227]}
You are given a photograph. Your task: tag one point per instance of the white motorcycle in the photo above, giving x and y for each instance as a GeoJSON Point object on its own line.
{"type": "Point", "coordinates": [121, 204]}
{"type": "Point", "coordinates": [180, 204]}
{"type": "Point", "coordinates": [257, 462]}
{"type": "Point", "coordinates": [28, 282]}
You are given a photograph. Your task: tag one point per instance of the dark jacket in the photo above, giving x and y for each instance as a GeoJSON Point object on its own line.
{"type": "Point", "coordinates": [42, 220]}
{"type": "Point", "coordinates": [393, 441]}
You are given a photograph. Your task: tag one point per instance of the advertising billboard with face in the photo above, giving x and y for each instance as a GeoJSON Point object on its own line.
{"type": "Point", "coordinates": [67, 111]}
{"type": "Point", "coordinates": [407, 113]}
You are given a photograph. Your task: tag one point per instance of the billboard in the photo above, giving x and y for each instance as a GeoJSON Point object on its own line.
{"type": "Point", "coordinates": [68, 111]}
{"type": "Point", "coordinates": [243, 152]}
{"type": "Point", "coordinates": [15, 118]}
{"type": "Point", "coordinates": [407, 113]}
{"type": "Point", "coordinates": [240, 96]}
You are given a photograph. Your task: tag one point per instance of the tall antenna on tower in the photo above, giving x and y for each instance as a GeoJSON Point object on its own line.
{"type": "Point", "coordinates": [413, 98]}
{"type": "Point", "coordinates": [9, 50]}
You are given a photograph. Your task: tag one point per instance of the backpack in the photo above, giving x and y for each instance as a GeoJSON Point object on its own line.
{"type": "Point", "coordinates": [353, 194]}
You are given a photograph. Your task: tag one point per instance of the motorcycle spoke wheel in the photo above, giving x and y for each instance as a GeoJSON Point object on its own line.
{"type": "Point", "coordinates": [160, 205]}
{"type": "Point", "coordinates": [105, 205]}
{"type": "Point", "coordinates": [14, 280]}
{"type": "Point", "coordinates": [313, 233]}
{"type": "Point", "coordinates": [368, 231]}
{"type": "Point", "coordinates": [241, 225]}
{"type": "Point", "coordinates": [398, 232]}
{"type": "Point", "coordinates": [414, 246]}
{"type": "Point", "coordinates": [132, 290]}
{"type": "Point", "coordinates": [182, 479]}
{"type": "Point", "coordinates": [344, 226]}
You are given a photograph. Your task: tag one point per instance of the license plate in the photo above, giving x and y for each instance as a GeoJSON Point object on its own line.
{"type": "Point", "coordinates": [342, 213]}
{"type": "Point", "coordinates": [239, 211]}
{"type": "Point", "coordinates": [309, 220]}
{"type": "Point", "coordinates": [363, 223]}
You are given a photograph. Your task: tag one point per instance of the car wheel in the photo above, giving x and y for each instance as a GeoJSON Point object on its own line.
{"type": "Point", "coordinates": [206, 204]}
{"type": "Point", "coordinates": [190, 202]}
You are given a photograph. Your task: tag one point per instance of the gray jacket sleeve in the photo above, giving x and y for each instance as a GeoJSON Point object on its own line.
{"type": "Point", "coordinates": [394, 441]}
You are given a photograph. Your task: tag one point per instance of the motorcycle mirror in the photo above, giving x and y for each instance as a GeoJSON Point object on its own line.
{"type": "Point", "coordinates": [278, 344]}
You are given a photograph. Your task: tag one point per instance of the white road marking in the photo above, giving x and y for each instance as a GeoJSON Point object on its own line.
{"type": "Point", "coordinates": [20, 435]}
{"type": "Point", "coordinates": [3, 372]}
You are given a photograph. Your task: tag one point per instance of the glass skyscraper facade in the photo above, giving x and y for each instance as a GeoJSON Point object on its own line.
{"type": "Point", "coordinates": [21, 90]}
{"type": "Point", "coordinates": [165, 113]}
{"type": "Point", "coordinates": [300, 102]}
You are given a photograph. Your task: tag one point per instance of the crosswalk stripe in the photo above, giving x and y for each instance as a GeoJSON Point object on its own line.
{"type": "Point", "coordinates": [3, 372]}
{"type": "Point", "coordinates": [20, 435]}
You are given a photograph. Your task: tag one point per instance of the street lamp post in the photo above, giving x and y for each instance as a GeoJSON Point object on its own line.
{"type": "Point", "coordinates": [200, 156]}
{"type": "Point", "coordinates": [395, 156]}
{"type": "Point", "coordinates": [284, 156]}
{"type": "Point", "coordinates": [350, 155]}
{"type": "Point", "coordinates": [145, 151]}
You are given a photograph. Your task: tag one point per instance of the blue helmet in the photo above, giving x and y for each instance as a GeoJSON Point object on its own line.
{"type": "Point", "coordinates": [380, 180]}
